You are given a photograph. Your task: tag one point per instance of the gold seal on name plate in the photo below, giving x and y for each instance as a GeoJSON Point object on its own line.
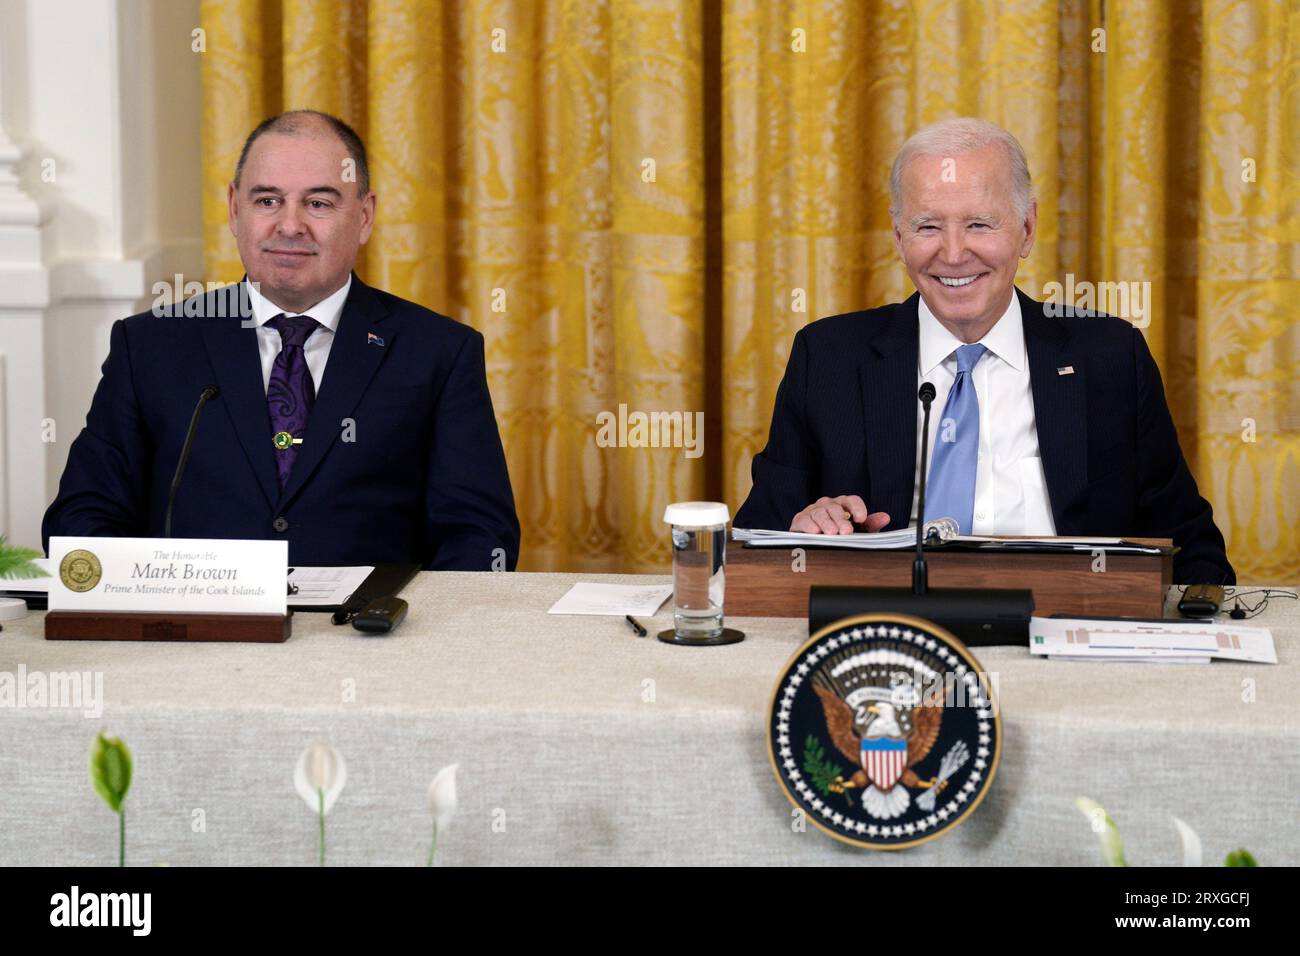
{"type": "Point", "coordinates": [80, 570]}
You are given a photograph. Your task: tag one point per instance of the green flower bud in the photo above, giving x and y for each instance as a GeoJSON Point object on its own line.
{"type": "Point", "coordinates": [110, 770]}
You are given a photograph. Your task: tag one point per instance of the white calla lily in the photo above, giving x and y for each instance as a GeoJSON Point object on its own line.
{"type": "Point", "coordinates": [442, 803]}
{"type": "Point", "coordinates": [321, 770]}
{"type": "Point", "coordinates": [1112, 847]}
{"type": "Point", "coordinates": [442, 796]}
{"type": "Point", "coordinates": [1189, 842]}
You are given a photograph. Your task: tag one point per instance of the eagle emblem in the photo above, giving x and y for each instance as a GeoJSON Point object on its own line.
{"type": "Point", "coordinates": [887, 730]}
{"type": "Point", "coordinates": [884, 731]}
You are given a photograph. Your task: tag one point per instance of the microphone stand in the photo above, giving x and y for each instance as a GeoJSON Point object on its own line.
{"type": "Point", "coordinates": [978, 616]}
{"type": "Point", "coordinates": [920, 575]}
{"type": "Point", "coordinates": [209, 392]}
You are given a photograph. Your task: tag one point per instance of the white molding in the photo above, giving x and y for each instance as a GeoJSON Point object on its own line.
{"type": "Point", "coordinates": [109, 91]}
{"type": "Point", "coordinates": [4, 459]}
{"type": "Point", "coordinates": [24, 295]}
{"type": "Point", "coordinates": [23, 288]}
{"type": "Point", "coordinates": [97, 280]}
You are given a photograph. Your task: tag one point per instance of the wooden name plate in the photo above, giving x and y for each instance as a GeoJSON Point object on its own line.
{"type": "Point", "coordinates": [761, 582]}
{"type": "Point", "coordinates": [122, 626]}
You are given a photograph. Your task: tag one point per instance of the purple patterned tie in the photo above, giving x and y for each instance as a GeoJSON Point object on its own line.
{"type": "Point", "coordinates": [292, 392]}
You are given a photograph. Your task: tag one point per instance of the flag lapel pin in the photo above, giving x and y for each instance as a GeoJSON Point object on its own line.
{"type": "Point", "coordinates": [372, 339]}
{"type": "Point", "coordinates": [1063, 370]}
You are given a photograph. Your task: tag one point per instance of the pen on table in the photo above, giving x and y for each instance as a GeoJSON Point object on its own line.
{"type": "Point", "coordinates": [635, 625]}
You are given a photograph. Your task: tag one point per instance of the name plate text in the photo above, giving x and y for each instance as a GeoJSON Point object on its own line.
{"type": "Point", "coordinates": [174, 575]}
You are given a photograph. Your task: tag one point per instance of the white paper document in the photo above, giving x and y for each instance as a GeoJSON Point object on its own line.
{"type": "Point", "coordinates": [613, 599]}
{"type": "Point", "coordinates": [1171, 642]}
{"type": "Point", "coordinates": [941, 528]}
{"type": "Point", "coordinates": [940, 532]}
{"type": "Point", "coordinates": [326, 587]}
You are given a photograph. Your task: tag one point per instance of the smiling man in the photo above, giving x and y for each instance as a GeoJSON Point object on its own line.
{"type": "Point", "coordinates": [351, 423]}
{"type": "Point", "coordinates": [1041, 425]}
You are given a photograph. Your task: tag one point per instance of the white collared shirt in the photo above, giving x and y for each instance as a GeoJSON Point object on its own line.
{"type": "Point", "coordinates": [1010, 488]}
{"type": "Point", "coordinates": [317, 347]}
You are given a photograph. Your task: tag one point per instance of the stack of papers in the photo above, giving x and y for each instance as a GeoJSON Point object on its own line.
{"type": "Point", "coordinates": [614, 599]}
{"type": "Point", "coordinates": [941, 529]}
{"type": "Point", "coordinates": [326, 586]}
{"type": "Point", "coordinates": [1163, 642]}
{"type": "Point", "coordinates": [938, 535]}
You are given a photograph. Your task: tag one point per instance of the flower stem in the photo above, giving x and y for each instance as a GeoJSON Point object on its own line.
{"type": "Point", "coordinates": [321, 804]}
{"type": "Point", "coordinates": [434, 845]}
{"type": "Point", "coordinates": [121, 838]}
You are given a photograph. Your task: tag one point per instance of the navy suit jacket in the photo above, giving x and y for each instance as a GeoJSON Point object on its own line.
{"type": "Point", "coordinates": [401, 462]}
{"type": "Point", "coordinates": [846, 421]}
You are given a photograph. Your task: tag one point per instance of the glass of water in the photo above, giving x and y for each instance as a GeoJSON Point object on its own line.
{"type": "Point", "coordinates": [699, 537]}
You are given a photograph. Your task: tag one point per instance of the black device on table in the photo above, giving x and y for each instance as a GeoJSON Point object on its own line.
{"type": "Point", "coordinates": [1201, 600]}
{"type": "Point", "coordinates": [380, 616]}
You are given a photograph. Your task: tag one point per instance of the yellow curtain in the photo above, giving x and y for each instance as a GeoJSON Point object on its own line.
{"type": "Point", "coordinates": [638, 202]}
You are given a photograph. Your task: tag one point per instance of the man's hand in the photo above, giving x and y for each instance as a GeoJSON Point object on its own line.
{"type": "Point", "coordinates": [833, 516]}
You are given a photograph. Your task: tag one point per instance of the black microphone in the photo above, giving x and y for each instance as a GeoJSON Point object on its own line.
{"type": "Point", "coordinates": [920, 579]}
{"type": "Point", "coordinates": [208, 394]}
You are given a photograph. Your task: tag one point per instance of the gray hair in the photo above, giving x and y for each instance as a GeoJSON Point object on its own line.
{"type": "Point", "coordinates": [296, 122]}
{"type": "Point", "coordinates": [953, 137]}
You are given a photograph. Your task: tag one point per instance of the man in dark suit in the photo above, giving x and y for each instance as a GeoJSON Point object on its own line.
{"type": "Point", "coordinates": [351, 423]}
{"type": "Point", "coordinates": [1042, 424]}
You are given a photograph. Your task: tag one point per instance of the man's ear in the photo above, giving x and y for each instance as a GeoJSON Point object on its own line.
{"type": "Point", "coordinates": [898, 240]}
{"type": "Point", "coordinates": [368, 215]}
{"type": "Point", "coordinates": [1031, 230]}
{"type": "Point", "coordinates": [232, 208]}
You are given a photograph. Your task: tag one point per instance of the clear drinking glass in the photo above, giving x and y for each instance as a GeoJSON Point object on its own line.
{"type": "Point", "coordinates": [699, 534]}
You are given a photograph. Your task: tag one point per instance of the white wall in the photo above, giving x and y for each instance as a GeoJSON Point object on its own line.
{"type": "Point", "coordinates": [101, 100]}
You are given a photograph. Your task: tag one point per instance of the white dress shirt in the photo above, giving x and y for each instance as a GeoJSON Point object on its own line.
{"type": "Point", "coordinates": [317, 347]}
{"type": "Point", "coordinates": [1010, 489]}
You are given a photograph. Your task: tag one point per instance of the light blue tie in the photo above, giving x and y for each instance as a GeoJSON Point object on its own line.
{"type": "Point", "coordinates": [950, 492]}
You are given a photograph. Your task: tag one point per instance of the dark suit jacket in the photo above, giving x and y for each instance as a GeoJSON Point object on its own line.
{"type": "Point", "coordinates": [845, 423]}
{"type": "Point", "coordinates": [423, 478]}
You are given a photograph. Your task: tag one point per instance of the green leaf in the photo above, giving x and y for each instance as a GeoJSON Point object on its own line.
{"type": "Point", "coordinates": [17, 562]}
{"type": "Point", "coordinates": [821, 772]}
{"type": "Point", "coordinates": [1240, 858]}
{"type": "Point", "coordinates": [1112, 846]}
{"type": "Point", "coordinates": [110, 770]}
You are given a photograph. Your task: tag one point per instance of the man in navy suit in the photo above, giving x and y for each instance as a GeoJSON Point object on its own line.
{"type": "Point", "coordinates": [351, 423]}
{"type": "Point", "coordinates": [1042, 424]}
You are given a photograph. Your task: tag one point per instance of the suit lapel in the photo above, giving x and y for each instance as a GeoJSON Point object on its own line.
{"type": "Point", "coordinates": [233, 351]}
{"type": "Point", "coordinates": [888, 379]}
{"type": "Point", "coordinates": [1060, 411]}
{"type": "Point", "coordinates": [359, 346]}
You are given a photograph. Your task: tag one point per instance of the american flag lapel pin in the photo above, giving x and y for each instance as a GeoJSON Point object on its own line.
{"type": "Point", "coordinates": [372, 339]}
{"type": "Point", "coordinates": [1063, 370]}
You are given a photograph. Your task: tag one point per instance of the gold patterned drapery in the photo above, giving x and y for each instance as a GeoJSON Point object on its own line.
{"type": "Point", "coordinates": [638, 202]}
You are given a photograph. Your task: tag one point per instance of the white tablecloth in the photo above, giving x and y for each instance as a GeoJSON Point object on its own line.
{"type": "Point", "coordinates": [579, 743]}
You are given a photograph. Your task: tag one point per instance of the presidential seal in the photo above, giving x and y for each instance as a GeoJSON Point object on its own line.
{"type": "Point", "coordinates": [79, 570]}
{"type": "Point", "coordinates": [884, 731]}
